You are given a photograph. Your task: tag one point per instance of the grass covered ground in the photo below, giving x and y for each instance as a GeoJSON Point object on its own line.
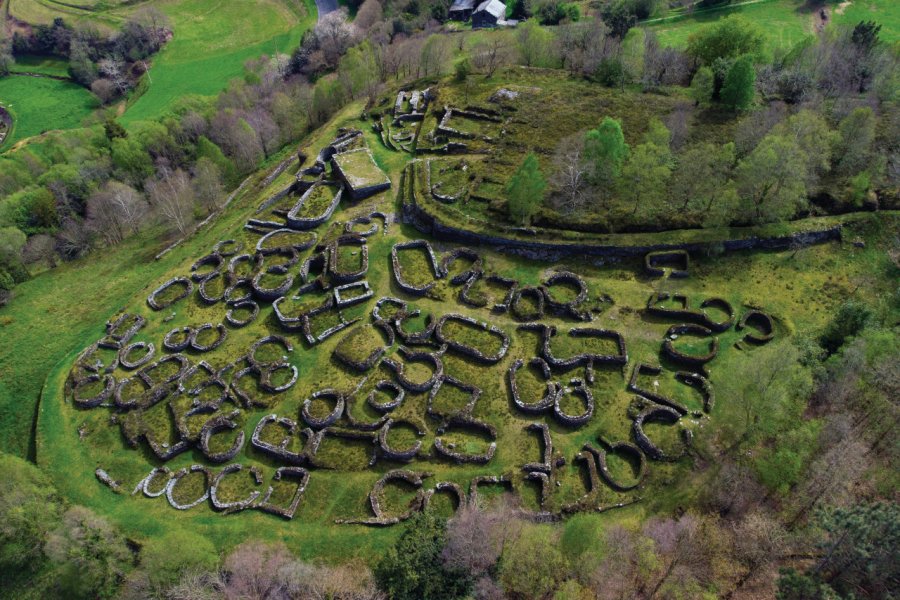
{"type": "Point", "coordinates": [799, 289]}
{"type": "Point", "coordinates": [44, 65]}
{"type": "Point", "coordinates": [785, 22]}
{"type": "Point", "coordinates": [40, 104]}
{"type": "Point", "coordinates": [212, 42]}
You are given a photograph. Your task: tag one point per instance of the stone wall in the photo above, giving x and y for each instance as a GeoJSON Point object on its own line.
{"type": "Point", "coordinates": [543, 250]}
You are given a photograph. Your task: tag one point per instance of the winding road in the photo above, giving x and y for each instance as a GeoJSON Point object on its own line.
{"type": "Point", "coordinates": [326, 6]}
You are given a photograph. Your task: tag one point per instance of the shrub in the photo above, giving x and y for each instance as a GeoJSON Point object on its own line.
{"type": "Point", "coordinates": [29, 510]}
{"type": "Point", "coordinates": [850, 319]}
{"type": "Point", "coordinates": [532, 565]}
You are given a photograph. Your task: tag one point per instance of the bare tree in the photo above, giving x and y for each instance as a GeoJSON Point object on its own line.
{"type": "Point", "coordinates": [104, 89]}
{"type": "Point", "coordinates": [569, 178]}
{"type": "Point", "coordinates": [679, 124]}
{"type": "Point", "coordinates": [266, 129]}
{"type": "Point", "coordinates": [172, 196]}
{"type": "Point", "coordinates": [759, 541]}
{"type": "Point", "coordinates": [73, 238]}
{"type": "Point", "coordinates": [489, 56]}
{"type": "Point", "coordinates": [115, 211]}
{"type": "Point", "coordinates": [334, 35]}
{"type": "Point", "coordinates": [259, 570]}
{"type": "Point", "coordinates": [113, 68]}
{"type": "Point", "coordinates": [368, 14]}
{"type": "Point", "coordinates": [435, 53]}
{"type": "Point", "coordinates": [207, 184]}
{"type": "Point", "coordinates": [476, 538]}
{"type": "Point", "coordinates": [40, 248]}
{"type": "Point", "coordinates": [237, 138]}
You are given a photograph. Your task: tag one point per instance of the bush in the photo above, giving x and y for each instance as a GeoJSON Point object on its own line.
{"type": "Point", "coordinates": [29, 510]}
{"type": "Point", "coordinates": [91, 556]}
{"type": "Point", "coordinates": [850, 319]}
{"type": "Point", "coordinates": [532, 565]}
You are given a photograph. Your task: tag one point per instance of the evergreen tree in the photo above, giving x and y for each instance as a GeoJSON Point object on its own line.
{"type": "Point", "coordinates": [739, 87]}
{"type": "Point", "coordinates": [525, 190]}
{"type": "Point", "coordinates": [413, 569]}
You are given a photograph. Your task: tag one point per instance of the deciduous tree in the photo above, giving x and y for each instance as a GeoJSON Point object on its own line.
{"type": "Point", "coordinates": [525, 190]}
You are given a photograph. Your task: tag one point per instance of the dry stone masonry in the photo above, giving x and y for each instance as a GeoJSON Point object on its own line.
{"type": "Point", "coordinates": [279, 357]}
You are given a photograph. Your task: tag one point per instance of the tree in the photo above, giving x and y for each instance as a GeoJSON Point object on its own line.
{"type": "Point", "coordinates": [81, 66]}
{"type": "Point", "coordinates": [532, 565]}
{"type": "Point", "coordinates": [525, 190]}
{"type": "Point", "coordinates": [115, 70]}
{"type": "Point", "coordinates": [570, 172]}
{"type": "Point", "coordinates": [619, 16]}
{"type": "Point", "coordinates": [435, 54]}
{"type": "Point", "coordinates": [728, 38]}
{"type": "Point", "coordinates": [739, 86]}
{"type": "Point", "coordinates": [476, 538]}
{"type": "Point", "coordinates": [701, 184]}
{"type": "Point", "coordinates": [488, 56]}
{"type": "Point", "coordinates": [771, 181]}
{"type": "Point", "coordinates": [207, 183]}
{"type": "Point", "coordinates": [797, 586]}
{"type": "Point", "coordinates": [815, 138]}
{"type": "Point", "coordinates": [413, 569]}
{"type": "Point", "coordinates": [179, 556]}
{"type": "Point", "coordinates": [605, 151]}
{"type": "Point", "coordinates": [850, 319]}
{"type": "Point", "coordinates": [172, 196]}
{"type": "Point", "coordinates": [237, 138]}
{"type": "Point", "coordinates": [860, 553]}
{"type": "Point", "coordinates": [6, 56]}
{"type": "Point", "coordinates": [703, 86]}
{"type": "Point", "coordinates": [116, 211]}
{"type": "Point", "coordinates": [369, 13]}
{"type": "Point", "coordinates": [104, 89]}
{"type": "Point", "coordinates": [857, 131]}
{"type": "Point", "coordinates": [646, 172]}
{"type": "Point", "coordinates": [633, 52]}
{"type": "Point", "coordinates": [333, 35]}
{"type": "Point", "coordinates": [258, 569]}
{"type": "Point", "coordinates": [534, 44]}
{"type": "Point", "coordinates": [29, 511]}
{"type": "Point", "coordinates": [91, 556]}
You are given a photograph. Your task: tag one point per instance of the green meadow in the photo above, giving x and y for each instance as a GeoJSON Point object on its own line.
{"type": "Point", "coordinates": [39, 104]}
{"type": "Point", "coordinates": [212, 42]}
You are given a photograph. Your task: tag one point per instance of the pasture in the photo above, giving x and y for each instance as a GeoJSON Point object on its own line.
{"type": "Point", "coordinates": [39, 104]}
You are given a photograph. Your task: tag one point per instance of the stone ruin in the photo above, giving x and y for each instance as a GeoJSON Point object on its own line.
{"type": "Point", "coordinates": [315, 275]}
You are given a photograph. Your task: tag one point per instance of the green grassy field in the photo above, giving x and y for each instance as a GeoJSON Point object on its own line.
{"type": "Point", "coordinates": [212, 42]}
{"type": "Point", "coordinates": [885, 12]}
{"type": "Point", "coordinates": [45, 65]}
{"type": "Point", "coordinates": [40, 104]}
{"type": "Point", "coordinates": [784, 22]}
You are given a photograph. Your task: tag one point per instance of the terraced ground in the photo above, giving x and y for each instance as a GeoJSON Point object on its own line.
{"type": "Point", "coordinates": [797, 289]}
